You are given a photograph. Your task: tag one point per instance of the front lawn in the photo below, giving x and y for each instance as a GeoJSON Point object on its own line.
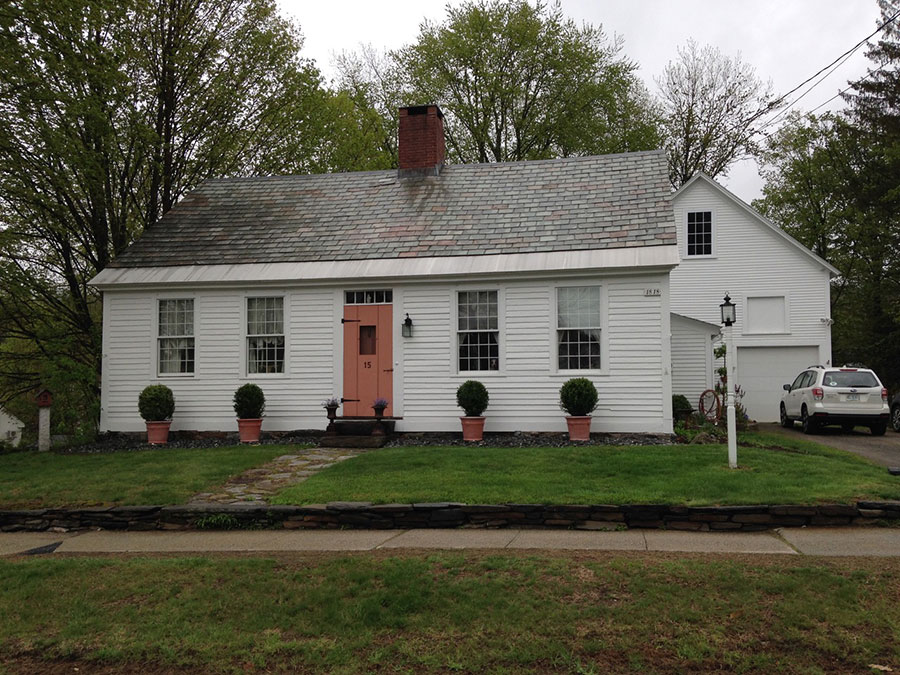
{"type": "Point", "coordinates": [466, 612]}
{"type": "Point", "coordinates": [788, 471]}
{"type": "Point", "coordinates": [154, 476]}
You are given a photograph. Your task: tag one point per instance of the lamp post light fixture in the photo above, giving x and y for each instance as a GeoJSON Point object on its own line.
{"type": "Point", "coordinates": [729, 316]}
{"type": "Point", "coordinates": [727, 310]}
{"type": "Point", "coordinates": [406, 327]}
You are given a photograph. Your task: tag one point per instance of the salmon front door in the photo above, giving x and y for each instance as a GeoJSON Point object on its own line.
{"type": "Point", "coordinates": [368, 358]}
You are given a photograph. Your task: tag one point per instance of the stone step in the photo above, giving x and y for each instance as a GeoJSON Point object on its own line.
{"type": "Point", "coordinates": [352, 441]}
{"type": "Point", "coordinates": [360, 427]}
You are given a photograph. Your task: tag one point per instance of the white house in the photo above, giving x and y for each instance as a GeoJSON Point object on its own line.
{"type": "Point", "coordinates": [10, 429]}
{"type": "Point", "coordinates": [781, 289]}
{"type": "Point", "coordinates": [520, 275]}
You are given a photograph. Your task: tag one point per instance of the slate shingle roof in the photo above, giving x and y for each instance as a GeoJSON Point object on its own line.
{"type": "Point", "coordinates": [607, 201]}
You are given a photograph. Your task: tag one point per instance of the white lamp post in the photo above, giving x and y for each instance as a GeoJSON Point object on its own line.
{"type": "Point", "coordinates": [728, 318]}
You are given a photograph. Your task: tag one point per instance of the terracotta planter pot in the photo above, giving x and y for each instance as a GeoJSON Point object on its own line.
{"type": "Point", "coordinates": [579, 428]}
{"type": "Point", "coordinates": [473, 428]}
{"type": "Point", "coordinates": [158, 432]}
{"type": "Point", "coordinates": [248, 430]}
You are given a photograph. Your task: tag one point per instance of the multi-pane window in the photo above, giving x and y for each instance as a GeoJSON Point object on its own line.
{"type": "Point", "coordinates": [265, 335]}
{"type": "Point", "coordinates": [368, 297]}
{"type": "Point", "coordinates": [699, 233]}
{"type": "Point", "coordinates": [176, 336]}
{"type": "Point", "coordinates": [478, 332]}
{"type": "Point", "coordinates": [578, 323]}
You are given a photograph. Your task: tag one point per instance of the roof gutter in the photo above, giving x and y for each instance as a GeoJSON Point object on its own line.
{"type": "Point", "coordinates": [637, 258]}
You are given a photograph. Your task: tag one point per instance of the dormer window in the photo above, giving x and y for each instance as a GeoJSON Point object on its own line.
{"type": "Point", "coordinates": [699, 233]}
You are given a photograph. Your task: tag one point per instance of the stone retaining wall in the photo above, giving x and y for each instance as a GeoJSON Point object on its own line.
{"type": "Point", "coordinates": [363, 515]}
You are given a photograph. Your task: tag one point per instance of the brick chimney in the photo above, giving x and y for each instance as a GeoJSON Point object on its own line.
{"type": "Point", "coordinates": [421, 141]}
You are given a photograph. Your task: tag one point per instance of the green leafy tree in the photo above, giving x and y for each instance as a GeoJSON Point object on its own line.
{"type": "Point", "coordinates": [833, 182]}
{"type": "Point", "coordinates": [110, 111]}
{"type": "Point", "coordinates": [520, 81]}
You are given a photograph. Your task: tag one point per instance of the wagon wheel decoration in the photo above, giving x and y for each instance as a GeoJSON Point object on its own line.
{"type": "Point", "coordinates": [710, 406]}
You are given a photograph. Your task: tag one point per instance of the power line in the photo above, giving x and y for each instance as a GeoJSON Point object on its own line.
{"type": "Point", "coordinates": [790, 105]}
{"type": "Point", "coordinates": [848, 88]}
{"type": "Point", "coordinates": [843, 57]}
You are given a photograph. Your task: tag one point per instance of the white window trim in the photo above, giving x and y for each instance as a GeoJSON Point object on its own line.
{"type": "Point", "coordinates": [715, 231]}
{"type": "Point", "coordinates": [745, 304]}
{"type": "Point", "coordinates": [454, 331]}
{"type": "Point", "coordinates": [286, 309]}
{"type": "Point", "coordinates": [154, 361]}
{"type": "Point", "coordinates": [604, 331]}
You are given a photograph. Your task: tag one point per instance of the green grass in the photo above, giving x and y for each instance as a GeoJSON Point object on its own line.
{"type": "Point", "coordinates": [466, 612]}
{"type": "Point", "coordinates": [788, 471]}
{"type": "Point", "coordinates": [158, 476]}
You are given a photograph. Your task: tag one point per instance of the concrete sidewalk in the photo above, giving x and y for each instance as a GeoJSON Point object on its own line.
{"type": "Point", "coordinates": [790, 541]}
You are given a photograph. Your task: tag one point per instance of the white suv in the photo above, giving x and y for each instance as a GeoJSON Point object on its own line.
{"type": "Point", "coordinates": [847, 396]}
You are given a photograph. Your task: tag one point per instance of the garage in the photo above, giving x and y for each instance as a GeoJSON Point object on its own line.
{"type": "Point", "coordinates": [761, 372]}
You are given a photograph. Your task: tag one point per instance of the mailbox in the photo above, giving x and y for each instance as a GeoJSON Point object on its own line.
{"type": "Point", "coordinates": [44, 399]}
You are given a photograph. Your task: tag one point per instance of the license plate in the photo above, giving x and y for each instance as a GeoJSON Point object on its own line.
{"type": "Point", "coordinates": [852, 397]}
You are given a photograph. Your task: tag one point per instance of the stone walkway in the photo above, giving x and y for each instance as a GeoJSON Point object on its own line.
{"type": "Point", "coordinates": [255, 486]}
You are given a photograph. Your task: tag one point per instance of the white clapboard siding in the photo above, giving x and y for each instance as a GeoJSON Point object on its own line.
{"type": "Point", "coordinates": [749, 260]}
{"type": "Point", "coordinates": [634, 384]}
{"type": "Point", "coordinates": [691, 357]}
{"type": "Point", "coordinates": [524, 394]}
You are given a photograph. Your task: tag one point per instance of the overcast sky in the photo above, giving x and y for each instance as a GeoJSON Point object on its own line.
{"type": "Point", "coordinates": [787, 41]}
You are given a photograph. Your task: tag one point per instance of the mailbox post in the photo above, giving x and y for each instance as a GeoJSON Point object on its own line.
{"type": "Point", "coordinates": [44, 401]}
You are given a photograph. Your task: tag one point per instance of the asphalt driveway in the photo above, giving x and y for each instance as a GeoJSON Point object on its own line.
{"type": "Point", "coordinates": [883, 450]}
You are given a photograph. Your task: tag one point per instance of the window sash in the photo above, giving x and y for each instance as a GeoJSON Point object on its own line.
{"type": "Point", "coordinates": [578, 328]}
{"type": "Point", "coordinates": [478, 331]}
{"type": "Point", "coordinates": [265, 335]}
{"type": "Point", "coordinates": [699, 233]}
{"type": "Point", "coordinates": [175, 336]}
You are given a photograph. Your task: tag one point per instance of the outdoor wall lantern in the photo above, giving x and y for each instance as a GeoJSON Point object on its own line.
{"type": "Point", "coordinates": [406, 327]}
{"type": "Point", "coordinates": [727, 309]}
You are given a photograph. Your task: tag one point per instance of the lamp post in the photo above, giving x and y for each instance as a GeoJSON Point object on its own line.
{"type": "Point", "coordinates": [729, 316]}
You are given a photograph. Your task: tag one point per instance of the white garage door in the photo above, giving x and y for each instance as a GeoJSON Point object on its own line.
{"type": "Point", "coordinates": [763, 370]}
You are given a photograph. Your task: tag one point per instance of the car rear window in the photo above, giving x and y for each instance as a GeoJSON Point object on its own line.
{"type": "Point", "coordinates": [849, 378]}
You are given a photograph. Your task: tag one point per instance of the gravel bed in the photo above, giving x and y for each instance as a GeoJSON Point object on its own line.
{"type": "Point", "coordinates": [127, 443]}
{"type": "Point", "coordinates": [116, 442]}
{"type": "Point", "coordinates": [521, 439]}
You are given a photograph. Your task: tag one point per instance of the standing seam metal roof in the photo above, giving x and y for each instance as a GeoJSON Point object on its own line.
{"type": "Point", "coordinates": [582, 203]}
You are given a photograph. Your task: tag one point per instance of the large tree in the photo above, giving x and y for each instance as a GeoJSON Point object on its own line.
{"type": "Point", "coordinates": [834, 183]}
{"type": "Point", "coordinates": [109, 112]}
{"type": "Point", "coordinates": [712, 106]}
{"type": "Point", "coordinates": [516, 81]}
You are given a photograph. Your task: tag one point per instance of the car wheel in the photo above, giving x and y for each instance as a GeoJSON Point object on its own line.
{"type": "Point", "coordinates": [786, 421]}
{"type": "Point", "coordinates": [878, 429]}
{"type": "Point", "coordinates": [895, 418]}
{"type": "Point", "coordinates": [808, 423]}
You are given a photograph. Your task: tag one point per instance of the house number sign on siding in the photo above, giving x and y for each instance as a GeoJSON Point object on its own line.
{"type": "Point", "coordinates": [652, 292]}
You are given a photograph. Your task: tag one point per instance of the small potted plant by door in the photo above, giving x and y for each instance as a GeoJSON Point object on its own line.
{"type": "Point", "coordinates": [249, 406]}
{"type": "Point", "coordinates": [578, 398]}
{"type": "Point", "coordinates": [331, 405]}
{"type": "Point", "coordinates": [472, 397]}
{"type": "Point", "coordinates": [379, 405]}
{"type": "Point", "coordinates": [156, 404]}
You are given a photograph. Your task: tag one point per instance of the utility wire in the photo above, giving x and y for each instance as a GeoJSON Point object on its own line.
{"type": "Point", "coordinates": [843, 56]}
{"type": "Point", "coordinates": [787, 109]}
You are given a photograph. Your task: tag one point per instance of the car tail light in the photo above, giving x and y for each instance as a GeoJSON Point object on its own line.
{"type": "Point", "coordinates": [883, 394]}
{"type": "Point", "coordinates": [818, 393]}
